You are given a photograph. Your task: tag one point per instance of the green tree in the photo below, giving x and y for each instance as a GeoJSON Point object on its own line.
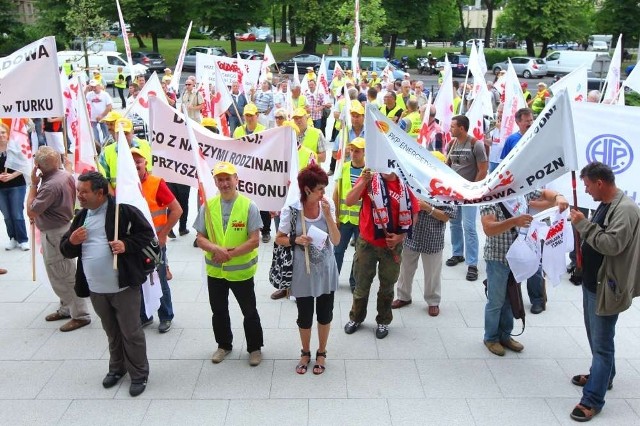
{"type": "Point", "coordinates": [619, 16]}
{"type": "Point", "coordinates": [12, 32]}
{"type": "Point", "coordinates": [52, 15]}
{"type": "Point", "coordinates": [491, 5]}
{"type": "Point", "coordinates": [315, 19]}
{"type": "Point", "coordinates": [546, 21]}
{"type": "Point", "coordinates": [372, 18]}
{"type": "Point", "coordinates": [84, 19]}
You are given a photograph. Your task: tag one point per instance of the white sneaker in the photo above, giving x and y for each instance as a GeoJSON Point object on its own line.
{"type": "Point", "coordinates": [11, 245]}
{"type": "Point", "coordinates": [25, 246]}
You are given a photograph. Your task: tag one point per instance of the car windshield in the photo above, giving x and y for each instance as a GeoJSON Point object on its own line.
{"type": "Point", "coordinates": [154, 56]}
{"type": "Point", "coordinates": [540, 61]}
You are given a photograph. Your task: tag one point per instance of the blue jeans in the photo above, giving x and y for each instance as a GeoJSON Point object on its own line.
{"type": "Point", "coordinates": [465, 245]}
{"type": "Point", "coordinates": [165, 311]}
{"type": "Point", "coordinates": [318, 125]}
{"type": "Point", "coordinates": [534, 288]}
{"type": "Point", "coordinates": [493, 166]}
{"type": "Point", "coordinates": [601, 330]}
{"type": "Point", "coordinates": [103, 128]}
{"type": "Point", "coordinates": [12, 207]}
{"type": "Point", "coordinates": [347, 231]}
{"type": "Point", "coordinates": [498, 317]}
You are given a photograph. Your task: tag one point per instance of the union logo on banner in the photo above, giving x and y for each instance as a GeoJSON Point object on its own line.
{"type": "Point", "coordinates": [612, 150]}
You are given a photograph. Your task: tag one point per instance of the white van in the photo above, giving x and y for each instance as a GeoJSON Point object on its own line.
{"type": "Point", "coordinates": [106, 62]}
{"type": "Point", "coordinates": [367, 63]}
{"type": "Point", "coordinates": [565, 61]}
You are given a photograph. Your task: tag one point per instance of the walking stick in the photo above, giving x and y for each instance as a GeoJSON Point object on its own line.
{"type": "Point", "coordinates": [306, 248]}
{"type": "Point", "coordinates": [576, 234]}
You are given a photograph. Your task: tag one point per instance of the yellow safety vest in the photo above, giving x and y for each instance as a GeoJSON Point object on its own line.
{"type": "Point", "coordinates": [456, 105]}
{"type": "Point", "coordinates": [120, 82]}
{"type": "Point", "coordinates": [390, 114]}
{"type": "Point", "coordinates": [110, 157]}
{"type": "Point", "coordinates": [338, 123]}
{"type": "Point", "coordinates": [239, 268]}
{"type": "Point", "coordinates": [311, 138]}
{"type": "Point", "coordinates": [347, 214]}
{"type": "Point", "coordinates": [241, 131]}
{"type": "Point", "coordinates": [374, 82]}
{"type": "Point", "coordinates": [416, 123]}
{"type": "Point", "coordinates": [400, 100]}
{"type": "Point", "coordinates": [67, 68]}
{"type": "Point", "coordinates": [304, 156]}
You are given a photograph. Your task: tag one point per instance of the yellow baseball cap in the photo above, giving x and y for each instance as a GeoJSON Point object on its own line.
{"type": "Point", "coordinates": [356, 106]}
{"type": "Point", "coordinates": [209, 122]}
{"type": "Point", "coordinates": [250, 109]}
{"type": "Point", "coordinates": [299, 112]}
{"type": "Point", "coordinates": [358, 143]}
{"type": "Point", "coordinates": [292, 125]}
{"type": "Point", "coordinates": [375, 74]}
{"type": "Point", "coordinates": [112, 116]}
{"type": "Point", "coordinates": [137, 151]}
{"type": "Point", "coordinates": [224, 167]}
{"type": "Point", "coordinates": [127, 125]}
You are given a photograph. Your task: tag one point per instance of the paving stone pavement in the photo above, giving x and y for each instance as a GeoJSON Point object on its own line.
{"type": "Point", "coordinates": [427, 371]}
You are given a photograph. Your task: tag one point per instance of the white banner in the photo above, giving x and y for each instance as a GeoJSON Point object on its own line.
{"type": "Point", "coordinates": [244, 72]}
{"type": "Point", "coordinates": [545, 152]}
{"type": "Point", "coordinates": [29, 82]}
{"type": "Point", "coordinates": [607, 133]}
{"type": "Point", "coordinates": [263, 160]}
{"type": "Point", "coordinates": [151, 89]}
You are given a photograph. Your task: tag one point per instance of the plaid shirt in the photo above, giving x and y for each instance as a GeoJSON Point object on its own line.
{"type": "Point", "coordinates": [496, 247]}
{"type": "Point", "coordinates": [316, 103]}
{"type": "Point", "coordinates": [427, 235]}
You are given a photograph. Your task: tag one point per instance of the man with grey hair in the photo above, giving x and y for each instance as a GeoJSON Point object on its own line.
{"type": "Point", "coordinates": [51, 207]}
{"type": "Point", "coordinates": [593, 96]}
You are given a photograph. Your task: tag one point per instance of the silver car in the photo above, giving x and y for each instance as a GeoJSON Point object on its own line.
{"type": "Point", "coordinates": [523, 66]}
{"type": "Point", "coordinates": [190, 56]}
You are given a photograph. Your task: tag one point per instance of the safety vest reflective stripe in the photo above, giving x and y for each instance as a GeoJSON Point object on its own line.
{"type": "Point", "coordinates": [159, 213]}
{"type": "Point", "coordinates": [226, 267]}
{"type": "Point", "coordinates": [351, 213]}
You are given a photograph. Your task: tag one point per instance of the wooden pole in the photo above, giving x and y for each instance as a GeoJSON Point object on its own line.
{"type": "Point", "coordinates": [115, 235]}
{"type": "Point", "coordinates": [576, 234]}
{"type": "Point", "coordinates": [306, 248]}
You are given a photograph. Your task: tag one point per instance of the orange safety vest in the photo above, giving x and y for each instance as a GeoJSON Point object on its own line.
{"type": "Point", "coordinates": [150, 187]}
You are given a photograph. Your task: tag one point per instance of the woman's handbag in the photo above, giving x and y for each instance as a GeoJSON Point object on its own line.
{"type": "Point", "coordinates": [281, 271]}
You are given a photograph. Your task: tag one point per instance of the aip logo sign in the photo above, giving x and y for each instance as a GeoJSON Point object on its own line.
{"type": "Point", "coordinates": [611, 150]}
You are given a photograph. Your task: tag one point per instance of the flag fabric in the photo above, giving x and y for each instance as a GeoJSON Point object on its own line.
{"type": "Point", "coordinates": [613, 75]}
{"type": "Point", "coordinates": [513, 101]}
{"type": "Point", "coordinates": [85, 148]}
{"type": "Point", "coordinates": [125, 40]}
{"type": "Point", "coordinates": [221, 102]}
{"type": "Point", "coordinates": [575, 82]}
{"type": "Point", "coordinates": [345, 118]}
{"type": "Point", "coordinates": [424, 135]}
{"type": "Point", "coordinates": [203, 171]}
{"type": "Point", "coordinates": [140, 106]}
{"type": "Point", "coordinates": [355, 63]}
{"type": "Point", "coordinates": [479, 82]}
{"type": "Point", "coordinates": [633, 80]}
{"type": "Point", "coordinates": [177, 72]}
{"type": "Point", "coordinates": [481, 59]}
{"type": "Point", "coordinates": [19, 148]}
{"type": "Point", "coordinates": [323, 85]}
{"type": "Point", "coordinates": [296, 75]}
{"type": "Point", "coordinates": [444, 101]}
{"type": "Point", "coordinates": [475, 114]}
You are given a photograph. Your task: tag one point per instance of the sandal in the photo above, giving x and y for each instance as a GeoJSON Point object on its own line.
{"type": "Point", "coordinates": [582, 413]}
{"type": "Point", "coordinates": [581, 380]}
{"type": "Point", "coordinates": [302, 368]}
{"type": "Point", "coordinates": [472, 273]}
{"type": "Point", "coordinates": [319, 369]}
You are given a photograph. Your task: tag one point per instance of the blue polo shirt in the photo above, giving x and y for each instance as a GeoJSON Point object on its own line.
{"type": "Point", "coordinates": [509, 144]}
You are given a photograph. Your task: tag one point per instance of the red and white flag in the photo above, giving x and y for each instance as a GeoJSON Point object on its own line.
{"type": "Point", "coordinates": [85, 148]}
{"type": "Point", "coordinates": [575, 82]}
{"type": "Point", "coordinates": [476, 114]}
{"type": "Point", "coordinates": [221, 102]}
{"type": "Point", "coordinates": [19, 149]}
{"type": "Point", "coordinates": [177, 72]}
{"type": "Point", "coordinates": [513, 101]}
{"type": "Point", "coordinates": [125, 40]}
{"type": "Point", "coordinates": [613, 75]}
{"type": "Point", "coordinates": [323, 84]}
{"type": "Point", "coordinates": [424, 135]}
{"type": "Point", "coordinates": [140, 105]}
{"type": "Point", "coordinates": [444, 102]}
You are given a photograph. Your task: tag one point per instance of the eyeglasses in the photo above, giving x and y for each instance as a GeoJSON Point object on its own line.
{"type": "Point", "coordinates": [188, 84]}
{"type": "Point", "coordinates": [279, 118]}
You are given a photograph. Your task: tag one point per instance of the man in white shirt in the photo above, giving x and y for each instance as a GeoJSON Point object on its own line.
{"type": "Point", "coordinates": [100, 104]}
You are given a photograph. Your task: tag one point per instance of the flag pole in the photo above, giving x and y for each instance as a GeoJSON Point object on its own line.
{"type": "Point", "coordinates": [115, 235]}
{"type": "Point", "coordinates": [306, 247]}
{"type": "Point", "coordinates": [576, 235]}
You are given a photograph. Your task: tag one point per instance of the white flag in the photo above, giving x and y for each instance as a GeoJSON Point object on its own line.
{"type": "Point", "coordinates": [575, 82]}
{"type": "Point", "coordinates": [633, 80]}
{"type": "Point", "coordinates": [222, 100]}
{"type": "Point", "coordinates": [19, 148]}
{"type": "Point", "coordinates": [613, 75]}
{"type": "Point", "coordinates": [140, 105]}
{"type": "Point", "coordinates": [444, 101]}
{"type": "Point", "coordinates": [125, 40]}
{"type": "Point", "coordinates": [177, 72]}
{"type": "Point", "coordinates": [513, 101]}
{"type": "Point", "coordinates": [296, 75]}
{"type": "Point", "coordinates": [323, 85]}
{"type": "Point", "coordinates": [355, 63]}
{"type": "Point", "coordinates": [85, 148]}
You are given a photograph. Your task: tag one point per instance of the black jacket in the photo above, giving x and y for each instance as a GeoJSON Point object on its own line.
{"type": "Point", "coordinates": [133, 230]}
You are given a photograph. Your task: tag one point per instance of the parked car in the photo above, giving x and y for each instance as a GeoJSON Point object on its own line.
{"type": "Point", "coordinates": [246, 37]}
{"type": "Point", "coordinates": [458, 63]}
{"type": "Point", "coordinates": [106, 62]}
{"type": "Point", "coordinates": [599, 46]}
{"type": "Point", "coordinates": [251, 54]}
{"type": "Point", "coordinates": [570, 45]}
{"type": "Point", "coordinates": [153, 60]}
{"type": "Point", "coordinates": [478, 41]}
{"type": "Point", "coordinates": [563, 62]}
{"type": "Point", "coordinates": [368, 63]}
{"type": "Point", "coordinates": [630, 68]}
{"type": "Point", "coordinates": [401, 42]}
{"type": "Point", "coordinates": [303, 60]}
{"type": "Point", "coordinates": [190, 56]}
{"type": "Point", "coordinates": [523, 66]}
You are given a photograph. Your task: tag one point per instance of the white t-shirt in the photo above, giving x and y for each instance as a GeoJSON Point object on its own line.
{"type": "Point", "coordinates": [98, 103]}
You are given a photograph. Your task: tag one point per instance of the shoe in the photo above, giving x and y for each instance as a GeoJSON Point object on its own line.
{"type": "Point", "coordinates": [112, 379]}
{"type": "Point", "coordinates": [171, 234]}
{"type": "Point", "coordinates": [351, 327]}
{"type": "Point", "coordinates": [278, 294]}
{"type": "Point", "coordinates": [495, 348]}
{"type": "Point", "coordinates": [266, 238]}
{"type": "Point", "coordinates": [433, 311]}
{"type": "Point", "coordinates": [397, 304]}
{"type": "Point", "coordinates": [537, 308]}
{"type": "Point", "coordinates": [147, 322]}
{"type": "Point", "coordinates": [581, 380]}
{"type": "Point", "coordinates": [11, 244]}
{"type": "Point", "coordinates": [352, 243]}
{"type": "Point", "coordinates": [454, 260]}
{"type": "Point", "coordinates": [583, 413]}
{"type": "Point", "coordinates": [164, 326]}
{"type": "Point", "coordinates": [74, 324]}
{"type": "Point", "coordinates": [301, 368]}
{"type": "Point", "coordinates": [137, 388]}
{"type": "Point", "coordinates": [318, 369]}
{"type": "Point", "coordinates": [255, 358]}
{"type": "Point", "coordinates": [25, 246]}
{"type": "Point", "coordinates": [382, 331]}
{"type": "Point", "coordinates": [56, 316]}
{"type": "Point", "coordinates": [472, 273]}
{"type": "Point", "coordinates": [3, 271]}
{"type": "Point", "coordinates": [571, 267]}
{"type": "Point", "coordinates": [512, 344]}
{"type": "Point", "coordinates": [195, 243]}
{"type": "Point", "coordinates": [219, 355]}
{"type": "Point", "coordinates": [183, 232]}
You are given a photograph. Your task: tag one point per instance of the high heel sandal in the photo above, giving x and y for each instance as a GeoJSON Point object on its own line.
{"type": "Point", "coordinates": [319, 369]}
{"type": "Point", "coordinates": [302, 368]}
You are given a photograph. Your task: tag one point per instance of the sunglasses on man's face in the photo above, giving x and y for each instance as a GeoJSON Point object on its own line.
{"type": "Point", "coordinates": [279, 118]}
